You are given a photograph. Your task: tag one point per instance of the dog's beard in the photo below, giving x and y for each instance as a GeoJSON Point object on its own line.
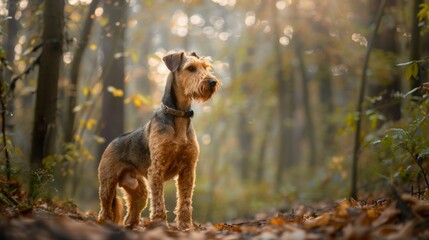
{"type": "Point", "coordinates": [204, 93]}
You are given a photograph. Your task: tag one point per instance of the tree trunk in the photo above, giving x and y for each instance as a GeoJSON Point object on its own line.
{"type": "Point", "coordinates": [386, 41]}
{"type": "Point", "coordinates": [283, 146]}
{"type": "Point", "coordinates": [244, 131]}
{"type": "Point", "coordinates": [69, 126]}
{"type": "Point", "coordinates": [12, 32]}
{"type": "Point", "coordinates": [112, 116]}
{"type": "Point", "coordinates": [415, 44]}
{"type": "Point", "coordinates": [326, 101]}
{"type": "Point", "coordinates": [310, 133]}
{"type": "Point", "coordinates": [44, 129]}
{"type": "Point", "coordinates": [265, 141]}
{"type": "Point", "coordinates": [359, 105]}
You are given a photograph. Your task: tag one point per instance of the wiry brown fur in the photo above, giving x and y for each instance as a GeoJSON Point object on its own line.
{"type": "Point", "coordinates": [164, 148]}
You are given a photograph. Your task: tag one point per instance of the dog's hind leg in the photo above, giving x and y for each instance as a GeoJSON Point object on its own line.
{"type": "Point", "coordinates": [136, 194]}
{"type": "Point", "coordinates": [108, 178]}
{"type": "Point", "coordinates": [107, 194]}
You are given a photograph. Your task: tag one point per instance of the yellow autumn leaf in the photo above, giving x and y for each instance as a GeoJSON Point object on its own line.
{"type": "Point", "coordinates": [143, 99]}
{"type": "Point", "coordinates": [93, 46]}
{"type": "Point", "coordinates": [99, 139]}
{"type": "Point", "coordinates": [85, 91]}
{"type": "Point", "coordinates": [90, 123]}
{"type": "Point", "coordinates": [115, 91]}
{"type": "Point", "coordinates": [137, 102]}
{"type": "Point", "coordinates": [78, 139]}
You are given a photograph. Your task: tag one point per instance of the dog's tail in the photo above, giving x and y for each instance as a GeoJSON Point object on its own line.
{"type": "Point", "coordinates": [117, 209]}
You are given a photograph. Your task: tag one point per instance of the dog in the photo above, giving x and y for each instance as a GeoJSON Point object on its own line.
{"type": "Point", "coordinates": [139, 162]}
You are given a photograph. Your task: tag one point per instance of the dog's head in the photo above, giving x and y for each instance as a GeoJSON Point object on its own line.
{"type": "Point", "coordinates": [193, 75]}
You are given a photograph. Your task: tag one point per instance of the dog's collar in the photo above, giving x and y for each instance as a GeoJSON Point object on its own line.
{"type": "Point", "coordinates": [177, 113]}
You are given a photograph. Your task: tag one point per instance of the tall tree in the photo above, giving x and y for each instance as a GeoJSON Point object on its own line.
{"type": "Point", "coordinates": [284, 148]}
{"type": "Point", "coordinates": [7, 104]}
{"type": "Point", "coordinates": [299, 54]}
{"type": "Point", "coordinates": [112, 115]}
{"type": "Point", "coordinates": [388, 84]}
{"type": "Point", "coordinates": [12, 32]}
{"type": "Point", "coordinates": [359, 105]}
{"type": "Point", "coordinates": [75, 71]}
{"type": "Point", "coordinates": [44, 129]}
{"type": "Point", "coordinates": [415, 43]}
{"type": "Point", "coordinates": [244, 132]}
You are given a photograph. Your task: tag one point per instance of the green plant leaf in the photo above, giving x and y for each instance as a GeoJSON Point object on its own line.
{"type": "Point", "coordinates": [415, 69]}
{"type": "Point", "coordinates": [408, 72]}
{"type": "Point", "coordinates": [423, 12]}
{"type": "Point", "coordinates": [424, 153]}
{"type": "Point", "coordinates": [399, 134]}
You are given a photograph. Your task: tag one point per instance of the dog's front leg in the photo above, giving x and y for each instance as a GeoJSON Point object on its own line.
{"type": "Point", "coordinates": [157, 207]}
{"type": "Point", "coordinates": [185, 187]}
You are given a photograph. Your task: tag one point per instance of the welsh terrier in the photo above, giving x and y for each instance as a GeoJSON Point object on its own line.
{"type": "Point", "coordinates": [166, 147]}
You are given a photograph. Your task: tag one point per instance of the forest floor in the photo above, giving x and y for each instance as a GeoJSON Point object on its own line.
{"type": "Point", "coordinates": [394, 217]}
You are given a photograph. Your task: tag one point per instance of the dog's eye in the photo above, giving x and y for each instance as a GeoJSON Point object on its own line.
{"type": "Point", "coordinates": [191, 69]}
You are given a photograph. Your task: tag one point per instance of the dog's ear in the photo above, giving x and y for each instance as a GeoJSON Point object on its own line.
{"type": "Point", "coordinates": [195, 55]}
{"type": "Point", "coordinates": [173, 61]}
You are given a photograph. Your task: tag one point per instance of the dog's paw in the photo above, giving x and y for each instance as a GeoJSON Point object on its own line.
{"type": "Point", "coordinates": [131, 224]}
{"type": "Point", "coordinates": [185, 226]}
{"type": "Point", "coordinates": [103, 217]}
{"type": "Point", "coordinates": [154, 223]}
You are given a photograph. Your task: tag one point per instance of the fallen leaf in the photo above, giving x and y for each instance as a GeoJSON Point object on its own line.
{"type": "Point", "coordinates": [318, 221]}
{"type": "Point", "coordinates": [356, 232]}
{"type": "Point", "coordinates": [279, 221]}
{"type": "Point", "coordinates": [405, 232]}
{"type": "Point", "coordinates": [342, 208]}
{"type": "Point", "coordinates": [388, 214]}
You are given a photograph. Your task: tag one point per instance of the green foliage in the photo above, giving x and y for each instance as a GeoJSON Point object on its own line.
{"type": "Point", "coordinates": [403, 149]}
{"type": "Point", "coordinates": [73, 153]}
{"type": "Point", "coordinates": [13, 151]}
{"type": "Point", "coordinates": [423, 12]}
{"type": "Point", "coordinates": [41, 187]}
{"type": "Point", "coordinates": [412, 71]}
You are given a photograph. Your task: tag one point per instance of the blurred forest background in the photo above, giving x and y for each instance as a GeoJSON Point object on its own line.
{"type": "Point", "coordinates": [286, 127]}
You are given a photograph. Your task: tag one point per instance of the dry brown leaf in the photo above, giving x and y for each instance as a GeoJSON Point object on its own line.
{"type": "Point", "coordinates": [388, 214]}
{"type": "Point", "coordinates": [387, 229]}
{"type": "Point", "coordinates": [342, 208]}
{"type": "Point", "coordinates": [156, 233]}
{"type": "Point", "coordinates": [356, 232]}
{"type": "Point", "coordinates": [278, 221]}
{"type": "Point", "coordinates": [318, 221]}
{"type": "Point", "coordinates": [408, 198]}
{"type": "Point", "coordinates": [295, 234]}
{"type": "Point", "coordinates": [372, 213]}
{"type": "Point", "coordinates": [421, 208]}
{"type": "Point", "coordinates": [235, 228]}
{"type": "Point", "coordinates": [267, 236]}
{"type": "Point", "coordinates": [354, 203]}
{"type": "Point", "coordinates": [220, 226]}
{"type": "Point", "coordinates": [405, 232]}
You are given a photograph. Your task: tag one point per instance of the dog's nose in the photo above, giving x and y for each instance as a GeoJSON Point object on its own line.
{"type": "Point", "coordinates": [212, 82]}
